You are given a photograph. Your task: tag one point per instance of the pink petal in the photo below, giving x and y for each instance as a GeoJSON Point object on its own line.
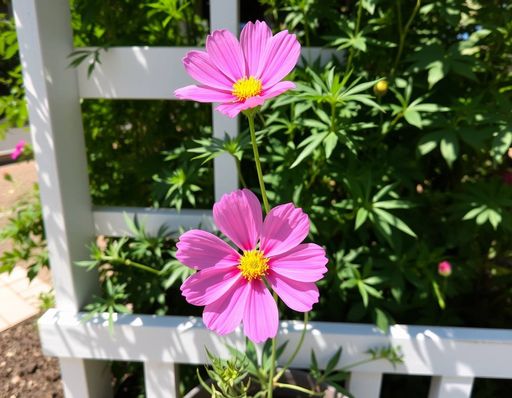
{"type": "Point", "coordinates": [208, 285]}
{"type": "Point", "coordinates": [233, 109]}
{"type": "Point", "coordinates": [238, 216]}
{"type": "Point", "coordinates": [199, 66]}
{"type": "Point", "coordinates": [261, 318]}
{"type": "Point", "coordinates": [200, 249]}
{"type": "Point", "coordinates": [203, 94]}
{"type": "Point", "coordinates": [299, 296]}
{"type": "Point", "coordinates": [277, 89]}
{"type": "Point", "coordinates": [279, 58]}
{"type": "Point", "coordinates": [304, 263]}
{"type": "Point", "coordinates": [226, 54]}
{"type": "Point", "coordinates": [225, 314]}
{"type": "Point", "coordinates": [253, 40]}
{"type": "Point", "coordinates": [284, 228]}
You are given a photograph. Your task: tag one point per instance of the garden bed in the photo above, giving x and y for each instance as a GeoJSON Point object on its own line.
{"type": "Point", "coordinates": [24, 370]}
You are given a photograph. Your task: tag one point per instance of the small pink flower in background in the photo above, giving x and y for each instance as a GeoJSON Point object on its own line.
{"type": "Point", "coordinates": [241, 75]}
{"type": "Point", "coordinates": [507, 177]}
{"type": "Point", "coordinates": [444, 268]}
{"type": "Point", "coordinates": [18, 150]}
{"type": "Point", "coordinates": [231, 285]}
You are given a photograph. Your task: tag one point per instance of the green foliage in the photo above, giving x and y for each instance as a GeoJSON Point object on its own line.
{"type": "Point", "coordinates": [136, 273]}
{"type": "Point", "coordinates": [13, 110]}
{"type": "Point", "coordinates": [25, 233]}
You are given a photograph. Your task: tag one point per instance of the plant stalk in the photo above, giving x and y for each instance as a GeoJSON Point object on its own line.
{"type": "Point", "coordinates": [250, 117]}
{"type": "Point", "coordinates": [297, 349]}
{"type": "Point", "coordinates": [403, 33]}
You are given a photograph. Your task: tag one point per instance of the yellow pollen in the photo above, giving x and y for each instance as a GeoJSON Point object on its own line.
{"type": "Point", "coordinates": [246, 88]}
{"type": "Point", "coordinates": [253, 264]}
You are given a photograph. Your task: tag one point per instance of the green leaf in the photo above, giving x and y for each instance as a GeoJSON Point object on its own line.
{"type": "Point", "coordinates": [395, 222]}
{"type": "Point", "coordinates": [436, 72]}
{"type": "Point", "coordinates": [429, 142]}
{"type": "Point", "coordinates": [329, 144]}
{"type": "Point", "coordinates": [450, 148]}
{"type": "Point", "coordinates": [315, 141]}
{"type": "Point", "coordinates": [361, 216]}
{"type": "Point", "coordinates": [501, 142]}
{"type": "Point", "coordinates": [382, 320]}
{"type": "Point", "coordinates": [413, 117]}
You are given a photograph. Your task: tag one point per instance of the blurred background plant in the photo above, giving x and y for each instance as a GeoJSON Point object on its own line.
{"type": "Point", "coordinates": [398, 148]}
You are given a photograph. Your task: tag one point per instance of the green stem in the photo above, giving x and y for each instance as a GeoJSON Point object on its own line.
{"type": "Point", "coordinates": [272, 368]}
{"type": "Point", "coordinates": [250, 117]}
{"type": "Point", "coordinates": [356, 31]}
{"type": "Point", "coordinates": [240, 175]}
{"type": "Point", "coordinates": [143, 267]}
{"type": "Point", "coordinates": [297, 349]}
{"type": "Point", "coordinates": [403, 32]}
{"type": "Point", "coordinates": [298, 388]}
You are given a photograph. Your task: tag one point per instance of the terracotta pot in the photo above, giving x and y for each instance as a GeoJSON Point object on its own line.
{"type": "Point", "coordinates": [296, 377]}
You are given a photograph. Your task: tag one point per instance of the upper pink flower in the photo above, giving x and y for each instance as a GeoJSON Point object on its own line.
{"type": "Point", "coordinates": [241, 75]}
{"type": "Point", "coordinates": [18, 150]}
{"type": "Point", "coordinates": [231, 285]}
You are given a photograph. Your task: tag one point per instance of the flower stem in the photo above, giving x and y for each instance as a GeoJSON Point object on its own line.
{"type": "Point", "coordinates": [272, 368]}
{"type": "Point", "coordinates": [250, 117]}
{"type": "Point", "coordinates": [297, 349]}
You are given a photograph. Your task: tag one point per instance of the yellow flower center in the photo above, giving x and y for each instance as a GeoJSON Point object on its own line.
{"type": "Point", "coordinates": [246, 88]}
{"type": "Point", "coordinates": [253, 264]}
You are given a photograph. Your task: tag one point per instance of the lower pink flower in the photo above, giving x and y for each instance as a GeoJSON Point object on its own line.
{"type": "Point", "coordinates": [231, 285]}
{"type": "Point", "coordinates": [444, 268]}
{"type": "Point", "coordinates": [18, 150]}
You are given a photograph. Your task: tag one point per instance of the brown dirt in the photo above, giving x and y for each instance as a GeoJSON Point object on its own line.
{"type": "Point", "coordinates": [24, 371]}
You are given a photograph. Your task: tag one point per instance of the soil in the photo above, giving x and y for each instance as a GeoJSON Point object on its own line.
{"type": "Point", "coordinates": [24, 371]}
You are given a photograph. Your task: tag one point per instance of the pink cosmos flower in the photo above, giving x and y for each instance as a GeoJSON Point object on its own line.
{"type": "Point", "coordinates": [232, 285]}
{"type": "Point", "coordinates": [18, 150]}
{"type": "Point", "coordinates": [444, 268]}
{"type": "Point", "coordinates": [241, 75]}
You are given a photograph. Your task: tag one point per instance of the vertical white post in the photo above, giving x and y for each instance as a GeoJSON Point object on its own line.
{"type": "Point", "coordinates": [161, 380]}
{"type": "Point", "coordinates": [364, 385]}
{"type": "Point", "coordinates": [450, 387]}
{"type": "Point", "coordinates": [224, 14]}
{"type": "Point", "coordinates": [45, 41]}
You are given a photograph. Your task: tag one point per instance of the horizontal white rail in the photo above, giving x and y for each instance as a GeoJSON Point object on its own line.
{"type": "Point", "coordinates": [148, 72]}
{"type": "Point", "coordinates": [448, 352]}
{"type": "Point", "coordinates": [111, 221]}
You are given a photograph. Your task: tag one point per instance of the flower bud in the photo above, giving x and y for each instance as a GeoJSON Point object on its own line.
{"type": "Point", "coordinates": [380, 88]}
{"type": "Point", "coordinates": [444, 268]}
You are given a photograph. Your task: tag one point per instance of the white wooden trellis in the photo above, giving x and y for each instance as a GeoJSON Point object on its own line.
{"type": "Point", "coordinates": [453, 356]}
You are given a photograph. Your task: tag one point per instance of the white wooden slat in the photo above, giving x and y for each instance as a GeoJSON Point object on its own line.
{"type": "Point", "coordinates": [44, 33]}
{"type": "Point", "coordinates": [136, 73]}
{"type": "Point", "coordinates": [111, 221]}
{"type": "Point", "coordinates": [365, 385]}
{"type": "Point", "coordinates": [461, 352]}
{"type": "Point", "coordinates": [45, 40]}
{"type": "Point", "coordinates": [96, 376]}
{"type": "Point", "coordinates": [224, 14]}
{"type": "Point", "coordinates": [451, 387]}
{"type": "Point", "coordinates": [161, 380]}
{"type": "Point", "coordinates": [225, 173]}
{"type": "Point", "coordinates": [149, 72]}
